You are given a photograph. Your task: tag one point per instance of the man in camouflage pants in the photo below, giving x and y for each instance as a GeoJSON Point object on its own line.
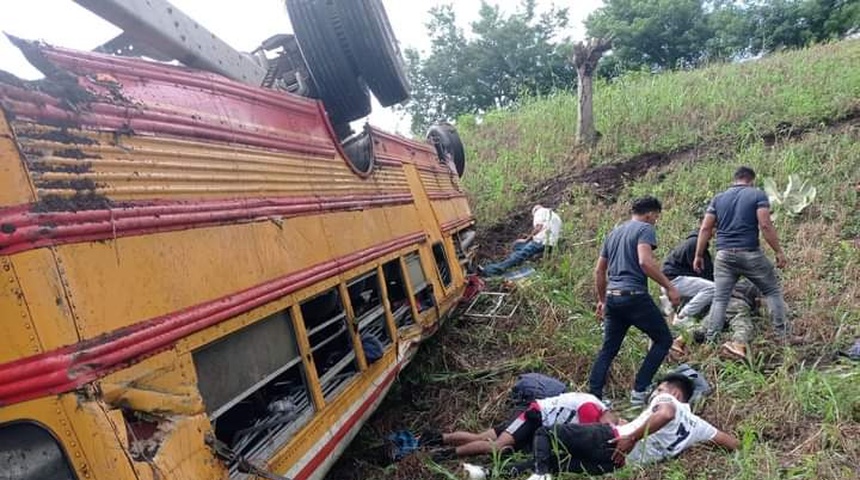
{"type": "Point", "coordinates": [742, 307]}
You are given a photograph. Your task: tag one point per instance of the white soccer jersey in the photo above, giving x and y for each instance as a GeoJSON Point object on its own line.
{"type": "Point", "coordinates": [570, 408]}
{"type": "Point", "coordinates": [684, 431]}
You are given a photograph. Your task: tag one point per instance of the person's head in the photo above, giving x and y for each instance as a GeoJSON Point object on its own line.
{"type": "Point", "coordinates": [609, 417]}
{"type": "Point", "coordinates": [646, 209]}
{"type": "Point", "coordinates": [678, 385]}
{"type": "Point", "coordinates": [744, 175]}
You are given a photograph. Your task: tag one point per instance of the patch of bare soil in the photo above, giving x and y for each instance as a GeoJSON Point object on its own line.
{"type": "Point", "coordinates": [607, 181]}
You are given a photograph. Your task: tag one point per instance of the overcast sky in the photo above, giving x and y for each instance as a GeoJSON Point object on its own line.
{"type": "Point", "coordinates": [243, 25]}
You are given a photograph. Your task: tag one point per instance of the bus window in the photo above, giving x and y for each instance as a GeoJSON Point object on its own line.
{"type": "Point", "coordinates": [397, 296]}
{"type": "Point", "coordinates": [330, 340]}
{"type": "Point", "coordinates": [29, 452]}
{"type": "Point", "coordinates": [366, 299]}
{"type": "Point", "coordinates": [420, 287]}
{"type": "Point", "coordinates": [254, 386]}
{"type": "Point", "coordinates": [442, 264]}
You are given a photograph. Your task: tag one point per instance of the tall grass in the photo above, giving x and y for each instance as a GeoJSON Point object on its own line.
{"type": "Point", "coordinates": [796, 410]}
{"type": "Point", "coordinates": [511, 149]}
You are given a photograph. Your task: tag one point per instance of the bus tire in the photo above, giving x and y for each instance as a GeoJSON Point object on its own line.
{"type": "Point", "coordinates": [368, 37]}
{"type": "Point", "coordinates": [444, 137]}
{"type": "Point", "coordinates": [344, 95]}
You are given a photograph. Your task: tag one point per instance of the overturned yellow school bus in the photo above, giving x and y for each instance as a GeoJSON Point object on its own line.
{"type": "Point", "coordinates": [198, 279]}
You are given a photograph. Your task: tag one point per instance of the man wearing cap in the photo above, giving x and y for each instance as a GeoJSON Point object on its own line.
{"type": "Point", "coordinates": [546, 227]}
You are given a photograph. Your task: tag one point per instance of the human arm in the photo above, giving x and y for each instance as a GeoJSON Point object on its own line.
{"type": "Point", "coordinates": [535, 230]}
{"type": "Point", "coordinates": [661, 414]}
{"type": "Point", "coordinates": [651, 268]}
{"type": "Point", "coordinates": [600, 283]}
{"type": "Point", "coordinates": [770, 236]}
{"type": "Point", "coordinates": [726, 440]}
{"type": "Point", "coordinates": [705, 233]}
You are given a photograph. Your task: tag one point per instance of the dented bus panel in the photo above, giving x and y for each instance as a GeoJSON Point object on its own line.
{"type": "Point", "coordinates": [195, 281]}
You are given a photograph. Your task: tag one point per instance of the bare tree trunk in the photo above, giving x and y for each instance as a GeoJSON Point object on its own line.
{"type": "Point", "coordinates": [585, 58]}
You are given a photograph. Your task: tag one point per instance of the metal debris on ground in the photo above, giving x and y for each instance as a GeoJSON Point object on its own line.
{"type": "Point", "coordinates": [493, 305]}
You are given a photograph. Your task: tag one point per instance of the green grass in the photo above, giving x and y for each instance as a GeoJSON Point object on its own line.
{"type": "Point", "coordinates": [796, 410]}
{"type": "Point", "coordinates": [511, 149]}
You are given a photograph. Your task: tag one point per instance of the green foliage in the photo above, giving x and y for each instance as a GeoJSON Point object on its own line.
{"type": "Point", "coordinates": [653, 34]}
{"type": "Point", "coordinates": [798, 195]}
{"type": "Point", "coordinates": [511, 150]}
{"type": "Point", "coordinates": [667, 34]}
{"type": "Point", "coordinates": [503, 58]}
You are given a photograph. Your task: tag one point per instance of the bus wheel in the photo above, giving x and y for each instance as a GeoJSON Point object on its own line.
{"type": "Point", "coordinates": [344, 95]}
{"type": "Point", "coordinates": [444, 137]}
{"type": "Point", "coordinates": [368, 38]}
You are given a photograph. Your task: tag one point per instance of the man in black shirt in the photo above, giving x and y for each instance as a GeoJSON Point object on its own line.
{"type": "Point", "coordinates": [697, 289]}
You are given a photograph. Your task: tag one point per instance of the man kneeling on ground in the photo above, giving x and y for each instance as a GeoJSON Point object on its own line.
{"type": "Point", "coordinates": [575, 408]}
{"type": "Point", "coordinates": [743, 306]}
{"type": "Point", "coordinates": [665, 428]}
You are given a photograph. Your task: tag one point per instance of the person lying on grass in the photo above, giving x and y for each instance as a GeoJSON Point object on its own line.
{"type": "Point", "coordinates": [575, 407]}
{"type": "Point", "coordinates": [663, 430]}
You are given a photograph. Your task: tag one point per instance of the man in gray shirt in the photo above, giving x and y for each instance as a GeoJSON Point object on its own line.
{"type": "Point", "coordinates": [627, 259]}
{"type": "Point", "coordinates": [738, 213]}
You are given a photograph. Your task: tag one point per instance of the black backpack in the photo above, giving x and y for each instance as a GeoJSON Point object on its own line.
{"type": "Point", "coordinates": [535, 386]}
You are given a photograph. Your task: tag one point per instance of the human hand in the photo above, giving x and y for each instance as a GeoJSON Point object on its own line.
{"type": "Point", "coordinates": [674, 295]}
{"type": "Point", "coordinates": [599, 311]}
{"type": "Point", "coordinates": [623, 446]}
{"type": "Point", "coordinates": [781, 261]}
{"type": "Point", "coordinates": [698, 264]}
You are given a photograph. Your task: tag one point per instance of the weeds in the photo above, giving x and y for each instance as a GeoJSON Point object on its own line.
{"type": "Point", "coordinates": [796, 410]}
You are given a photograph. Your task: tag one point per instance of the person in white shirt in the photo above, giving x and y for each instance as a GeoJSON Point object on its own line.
{"type": "Point", "coordinates": [573, 408]}
{"type": "Point", "coordinates": [665, 428]}
{"type": "Point", "coordinates": [546, 228]}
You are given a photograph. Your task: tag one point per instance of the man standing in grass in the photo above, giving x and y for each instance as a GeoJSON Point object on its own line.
{"type": "Point", "coordinates": [628, 261]}
{"type": "Point", "coordinates": [738, 213]}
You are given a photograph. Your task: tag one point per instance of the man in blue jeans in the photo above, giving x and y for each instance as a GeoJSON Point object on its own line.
{"type": "Point", "coordinates": [546, 227]}
{"type": "Point", "coordinates": [738, 213]}
{"type": "Point", "coordinates": [623, 301]}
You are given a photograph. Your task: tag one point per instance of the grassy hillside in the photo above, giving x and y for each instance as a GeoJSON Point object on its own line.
{"type": "Point", "coordinates": [796, 410]}
{"type": "Point", "coordinates": [512, 149]}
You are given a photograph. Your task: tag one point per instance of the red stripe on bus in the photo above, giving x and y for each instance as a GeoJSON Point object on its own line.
{"type": "Point", "coordinates": [338, 437]}
{"type": "Point", "coordinates": [445, 195]}
{"type": "Point", "coordinates": [71, 367]}
{"type": "Point", "coordinates": [457, 223]}
{"type": "Point", "coordinates": [28, 229]}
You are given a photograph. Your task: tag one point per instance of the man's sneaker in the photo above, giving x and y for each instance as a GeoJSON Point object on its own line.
{"type": "Point", "coordinates": [475, 472]}
{"type": "Point", "coordinates": [540, 476]}
{"type": "Point", "coordinates": [544, 476]}
{"type": "Point", "coordinates": [443, 454]}
{"type": "Point", "coordinates": [679, 346]}
{"type": "Point", "coordinates": [430, 438]}
{"type": "Point", "coordinates": [735, 350]}
{"type": "Point", "coordinates": [638, 399]}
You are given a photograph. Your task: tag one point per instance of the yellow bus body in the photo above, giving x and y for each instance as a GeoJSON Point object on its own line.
{"type": "Point", "coordinates": [140, 259]}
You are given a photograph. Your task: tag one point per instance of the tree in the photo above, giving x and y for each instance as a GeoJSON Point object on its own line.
{"type": "Point", "coordinates": [585, 58]}
{"type": "Point", "coordinates": [505, 57]}
{"type": "Point", "coordinates": [798, 23]}
{"type": "Point", "coordinates": [654, 34]}
{"type": "Point", "coordinates": [668, 34]}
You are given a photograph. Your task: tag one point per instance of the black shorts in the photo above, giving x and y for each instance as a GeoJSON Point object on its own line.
{"type": "Point", "coordinates": [522, 427]}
